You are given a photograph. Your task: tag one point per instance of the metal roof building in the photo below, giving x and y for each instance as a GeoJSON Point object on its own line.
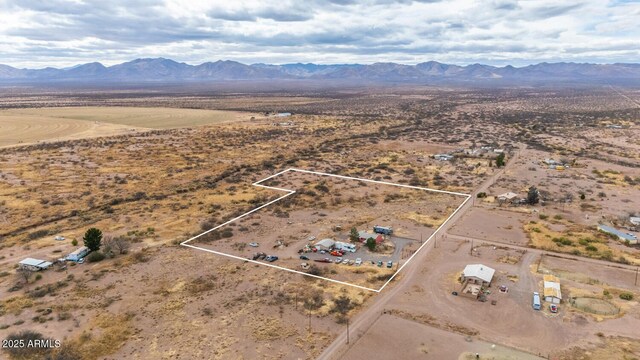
{"type": "Point", "coordinates": [478, 272]}
{"type": "Point", "coordinates": [34, 264]}
{"type": "Point", "coordinates": [552, 291]}
{"type": "Point", "coordinates": [621, 235]}
{"type": "Point", "coordinates": [325, 243]}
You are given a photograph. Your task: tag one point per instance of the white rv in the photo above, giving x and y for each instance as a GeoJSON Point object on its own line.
{"type": "Point", "coordinates": [345, 246]}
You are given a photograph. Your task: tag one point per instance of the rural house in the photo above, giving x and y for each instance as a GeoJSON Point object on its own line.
{"type": "Point", "coordinates": [34, 264]}
{"type": "Point", "coordinates": [507, 197]}
{"type": "Point", "coordinates": [474, 278]}
{"type": "Point", "coordinates": [363, 235]}
{"type": "Point", "coordinates": [477, 274]}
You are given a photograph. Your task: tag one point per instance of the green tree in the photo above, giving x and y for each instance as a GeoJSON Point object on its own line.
{"type": "Point", "coordinates": [500, 160]}
{"type": "Point", "coordinates": [533, 196]}
{"type": "Point", "coordinates": [354, 236]}
{"type": "Point", "coordinates": [93, 239]}
{"type": "Point", "coordinates": [371, 243]}
{"type": "Point", "coordinates": [342, 305]}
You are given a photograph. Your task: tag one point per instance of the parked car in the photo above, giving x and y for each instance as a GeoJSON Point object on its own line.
{"type": "Point", "coordinates": [390, 264]}
{"type": "Point", "coordinates": [345, 262]}
{"type": "Point", "coordinates": [271, 258]}
{"type": "Point", "coordinates": [358, 261]}
{"type": "Point", "coordinates": [338, 260]}
{"type": "Point", "coordinates": [455, 293]}
{"type": "Point", "coordinates": [325, 260]}
{"type": "Point", "coordinates": [553, 308]}
{"type": "Point", "coordinates": [336, 253]}
{"type": "Point", "coordinates": [304, 257]}
{"type": "Point", "coordinates": [351, 262]}
{"type": "Point", "coordinates": [323, 251]}
{"type": "Point", "coordinates": [379, 263]}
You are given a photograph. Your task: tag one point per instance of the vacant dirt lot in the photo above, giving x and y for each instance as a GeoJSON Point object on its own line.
{"type": "Point", "coordinates": [388, 336]}
{"type": "Point", "coordinates": [22, 126]}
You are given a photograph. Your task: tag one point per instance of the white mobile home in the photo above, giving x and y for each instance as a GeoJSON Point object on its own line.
{"type": "Point", "coordinates": [78, 254]}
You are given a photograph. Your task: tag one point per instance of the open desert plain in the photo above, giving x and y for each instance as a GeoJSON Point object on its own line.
{"type": "Point", "coordinates": [323, 223]}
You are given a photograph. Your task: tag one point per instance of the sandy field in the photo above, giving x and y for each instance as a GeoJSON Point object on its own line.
{"type": "Point", "coordinates": [24, 126]}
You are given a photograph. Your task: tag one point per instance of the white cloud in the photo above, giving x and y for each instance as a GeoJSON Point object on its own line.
{"type": "Point", "coordinates": [63, 33]}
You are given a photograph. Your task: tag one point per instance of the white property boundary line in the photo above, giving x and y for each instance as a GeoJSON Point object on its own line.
{"type": "Point", "coordinates": [291, 192]}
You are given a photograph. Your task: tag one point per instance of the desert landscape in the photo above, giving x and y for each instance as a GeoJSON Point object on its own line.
{"type": "Point", "coordinates": [152, 185]}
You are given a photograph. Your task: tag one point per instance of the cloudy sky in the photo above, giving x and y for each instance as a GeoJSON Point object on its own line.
{"type": "Point", "coordinates": [61, 33]}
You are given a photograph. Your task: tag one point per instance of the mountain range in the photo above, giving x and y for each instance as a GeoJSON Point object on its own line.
{"type": "Point", "coordinates": [167, 70]}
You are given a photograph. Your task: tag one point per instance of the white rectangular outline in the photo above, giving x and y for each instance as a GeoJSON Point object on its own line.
{"type": "Point", "coordinates": [291, 192]}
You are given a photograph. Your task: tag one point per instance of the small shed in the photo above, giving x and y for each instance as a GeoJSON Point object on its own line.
{"type": "Point", "coordinates": [34, 264]}
{"type": "Point", "coordinates": [477, 274]}
{"type": "Point", "coordinates": [325, 244]}
{"type": "Point", "coordinates": [552, 291]}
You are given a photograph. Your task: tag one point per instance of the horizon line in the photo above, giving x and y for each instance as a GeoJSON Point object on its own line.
{"type": "Point", "coordinates": [101, 62]}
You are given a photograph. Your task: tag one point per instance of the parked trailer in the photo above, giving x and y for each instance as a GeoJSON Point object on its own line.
{"type": "Point", "coordinates": [536, 301]}
{"type": "Point", "coordinates": [385, 230]}
{"type": "Point", "coordinates": [345, 246]}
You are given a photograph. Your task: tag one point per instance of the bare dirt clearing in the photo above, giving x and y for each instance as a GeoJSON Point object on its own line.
{"type": "Point", "coordinates": [18, 126]}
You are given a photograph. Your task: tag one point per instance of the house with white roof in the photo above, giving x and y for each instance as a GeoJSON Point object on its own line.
{"type": "Point", "coordinates": [34, 264]}
{"type": "Point", "coordinates": [477, 274]}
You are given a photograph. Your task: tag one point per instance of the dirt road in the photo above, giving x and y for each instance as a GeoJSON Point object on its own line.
{"type": "Point", "coordinates": [364, 320]}
{"type": "Point", "coordinates": [544, 252]}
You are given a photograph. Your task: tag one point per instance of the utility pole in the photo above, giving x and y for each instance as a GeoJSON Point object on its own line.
{"type": "Point", "coordinates": [296, 300]}
{"type": "Point", "coordinates": [309, 320]}
{"type": "Point", "coordinates": [347, 330]}
{"type": "Point", "coordinates": [636, 283]}
{"type": "Point", "coordinates": [471, 250]}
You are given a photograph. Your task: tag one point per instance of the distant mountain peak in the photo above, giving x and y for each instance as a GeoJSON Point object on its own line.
{"type": "Point", "coordinates": [163, 69]}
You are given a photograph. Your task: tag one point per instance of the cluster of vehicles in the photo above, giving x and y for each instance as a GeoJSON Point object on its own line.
{"type": "Point", "coordinates": [337, 252]}
{"type": "Point", "coordinates": [340, 260]}
{"type": "Point", "coordinates": [263, 256]}
{"type": "Point", "coordinates": [537, 305]}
